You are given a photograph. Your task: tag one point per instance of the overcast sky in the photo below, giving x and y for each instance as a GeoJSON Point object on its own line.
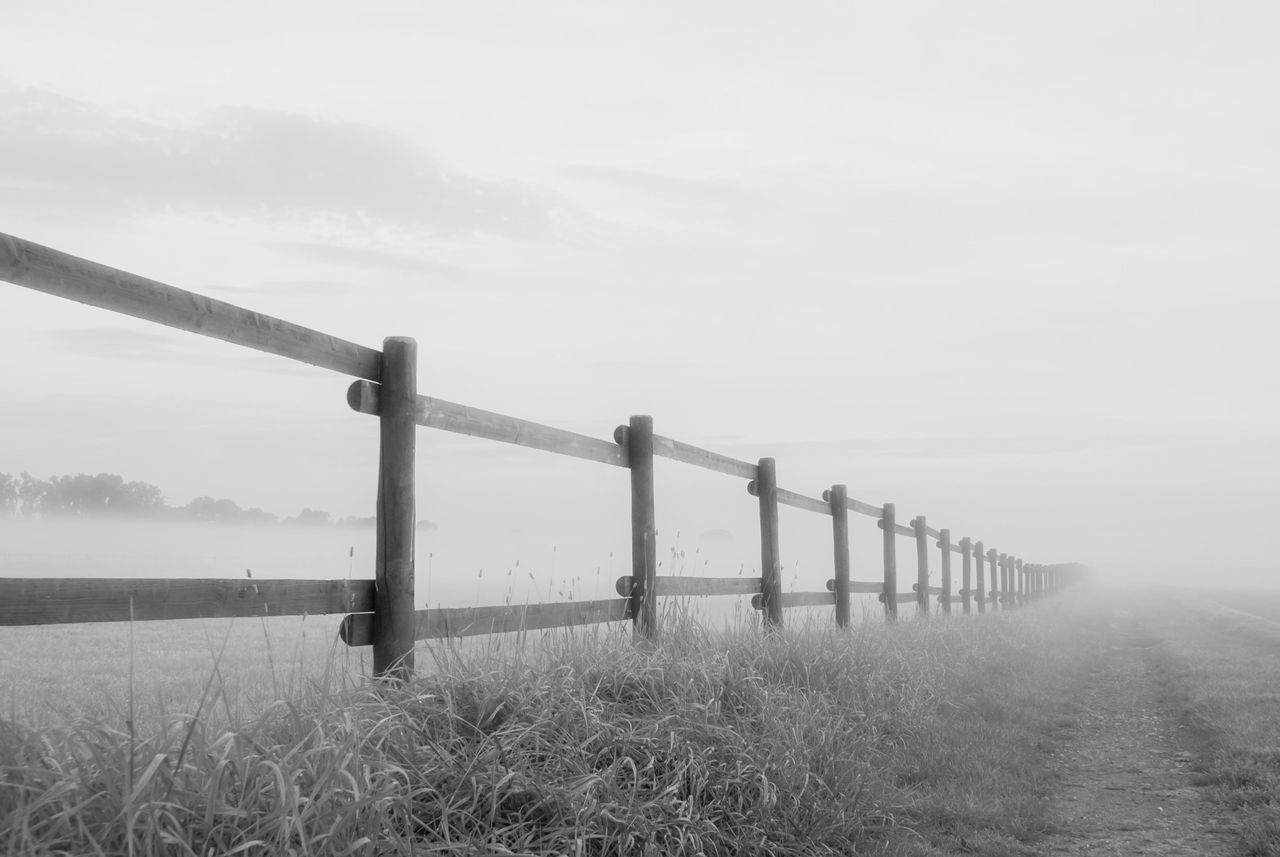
{"type": "Point", "coordinates": [1009, 265]}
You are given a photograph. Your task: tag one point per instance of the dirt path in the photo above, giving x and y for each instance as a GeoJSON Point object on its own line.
{"type": "Point", "coordinates": [1126, 788]}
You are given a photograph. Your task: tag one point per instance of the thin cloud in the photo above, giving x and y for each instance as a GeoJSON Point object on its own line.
{"type": "Point", "coordinates": [243, 162]}
{"type": "Point", "coordinates": [715, 191]}
{"type": "Point", "coordinates": [363, 257]}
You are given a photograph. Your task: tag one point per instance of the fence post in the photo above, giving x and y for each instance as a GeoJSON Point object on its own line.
{"type": "Point", "coordinates": [981, 583]}
{"type": "Point", "coordinates": [1021, 576]}
{"type": "Point", "coordinates": [838, 496]}
{"type": "Point", "coordinates": [1004, 581]}
{"type": "Point", "coordinates": [770, 558]}
{"type": "Point", "coordinates": [944, 542]}
{"type": "Point", "coordinates": [922, 566]}
{"type": "Point", "coordinates": [393, 601]}
{"type": "Point", "coordinates": [966, 557]}
{"type": "Point", "coordinates": [993, 561]}
{"type": "Point", "coordinates": [889, 595]}
{"type": "Point", "coordinates": [644, 529]}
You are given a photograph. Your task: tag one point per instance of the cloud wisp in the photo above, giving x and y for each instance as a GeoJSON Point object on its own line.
{"type": "Point", "coordinates": [57, 152]}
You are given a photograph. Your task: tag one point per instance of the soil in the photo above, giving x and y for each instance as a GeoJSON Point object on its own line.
{"type": "Point", "coordinates": [1126, 786]}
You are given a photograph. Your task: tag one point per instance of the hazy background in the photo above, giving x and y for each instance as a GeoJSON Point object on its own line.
{"type": "Point", "coordinates": [1008, 265]}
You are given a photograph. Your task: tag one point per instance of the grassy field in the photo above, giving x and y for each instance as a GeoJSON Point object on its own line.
{"type": "Point", "coordinates": [915, 739]}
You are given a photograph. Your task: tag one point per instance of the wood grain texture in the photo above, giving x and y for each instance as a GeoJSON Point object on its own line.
{"type": "Point", "coordinates": [365, 398]}
{"type": "Point", "coordinates": [46, 601]}
{"type": "Point", "coordinates": [979, 593]}
{"type": "Point", "coordinates": [53, 272]}
{"type": "Point", "coordinates": [921, 531]}
{"type": "Point", "coordinates": [890, 552]}
{"type": "Point", "coordinates": [799, 599]}
{"type": "Point", "coordinates": [397, 514]}
{"type": "Point", "coordinates": [644, 528]}
{"type": "Point", "coordinates": [770, 556]}
{"type": "Point", "coordinates": [901, 598]}
{"type": "Point", "coordinates": [690, 454]}
{"type": "Point", "coordinates": [800, 501]}
{"type": "Point", "coordinates": [679, 586]}
{"type": "Point", "coordinates": [865, 508]}
{"type": "Point", "coordinates": [863, 587]}
{"type": "Point", "coordinates": [440, 623]}
{"type": "Point", "coordinates": [944, 545]}
{"type": "Point", "coordinates": [838, 498]}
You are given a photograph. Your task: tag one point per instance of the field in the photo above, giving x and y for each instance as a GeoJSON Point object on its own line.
{"type": "Point", "coordinates": [1098, 722]}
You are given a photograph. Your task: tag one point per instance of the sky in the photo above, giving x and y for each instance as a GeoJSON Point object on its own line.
{"type": "Point", "coordinates": [1008, 265]}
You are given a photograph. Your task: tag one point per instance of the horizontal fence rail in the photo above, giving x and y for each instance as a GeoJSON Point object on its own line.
{"type": "Point", "coordinates": [380, 612]}
{"type": "Point", "coordinates": [667, 585]}
{"type": "Point", "coordinates": [445, 622]}
{"type": "Point", "coordinates": [25, 263]}
{"type": "Point", "coordinates": [365, 398]}
{"type": "Point", "coordinates": [48, 601]}
{"type": "Point", "coordinates": [689, 454]}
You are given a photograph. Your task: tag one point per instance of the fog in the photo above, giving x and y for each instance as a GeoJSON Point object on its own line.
{"type": "Point", "coordinates": [1011, 267]}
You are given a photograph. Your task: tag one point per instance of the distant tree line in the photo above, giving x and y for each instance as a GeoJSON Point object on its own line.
{"type": "Point", "coordinates": [110, 495]}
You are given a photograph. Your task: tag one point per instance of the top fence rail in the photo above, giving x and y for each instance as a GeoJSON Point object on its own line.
{"type": "Point", "coordinates": [34, 266]}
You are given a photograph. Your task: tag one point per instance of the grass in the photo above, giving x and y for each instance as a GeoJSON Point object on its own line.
{"type": "Point", "coordinates": [915, 739]}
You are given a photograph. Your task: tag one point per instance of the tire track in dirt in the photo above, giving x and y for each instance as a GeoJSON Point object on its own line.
{"type": "Point", "coordinates": [1126, 786]}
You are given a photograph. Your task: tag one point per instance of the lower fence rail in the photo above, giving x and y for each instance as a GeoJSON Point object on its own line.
{"type": "Point", "coordinates": [53, 601]}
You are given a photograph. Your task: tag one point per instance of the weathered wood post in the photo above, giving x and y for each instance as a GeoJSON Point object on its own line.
{"type": "Point", "coordinates": [922, 565]}
{"type": "Point", "coordinates": [890, 594]}
{"type": "Point", "coordinates": [993, 560]}
{"type": "Point", "coordinates": [980, 589]}
{"type": "Point", "coordinates": [944, 543]}
{"type": "Point", "coordinates": [644, 529]}
{"type": "Point", "coordinates": [770, 557]}
{"type": "Point", "coordinates": [838, 497]}
{"type": "Point", "coordinates": [393, 601]}
{"type": "Point", "coordinates": [1004, 581]}
{"type": "Point", "coordinates": [1021, 575]}
{"type": "Point", "coordinates": [966, 557]}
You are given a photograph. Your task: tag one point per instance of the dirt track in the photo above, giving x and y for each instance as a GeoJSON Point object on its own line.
{"type": "Point", "coordinates": [1126, 788]}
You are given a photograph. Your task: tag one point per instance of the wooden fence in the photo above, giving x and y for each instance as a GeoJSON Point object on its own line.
{"type": "Point", "coordinates": [381, 611]}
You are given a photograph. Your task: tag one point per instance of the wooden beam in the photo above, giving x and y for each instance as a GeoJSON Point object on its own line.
{"type": "Point", "coordinates": [890, 543]}
{"type": "Point", "coordinates": [766, 488]}
{"type": "Point", "coordinates": [33, 266]}
{"type": "Point", "coordinates": [394, 563]}
{"type": "Point", "coordinates": [838, 498]}
{"type": "Point", "coordinates": [462, 419]}
{"type": "Point", "coordinates": [944, 545]}
{"type": "Point", "coordinates": [681, 586]}
{"type": "Point", "coordinates": [980, 591]}
{"type": "Point", "coordinates": [900, 598]}
{"type": "Point", "coordinates": [690, 454]}
{"type": "Point", "coordinates": [50, 601]}
{"type": "Point", "coordinates": [791, 498]}
{"type": "Point", "coordinates": [644, 529]}
{"type": "Point", "coordinates": [865, 508]}
{"type": "Point", "coordinates": [441, 623]}
{"type": "Point", "coordinates": [921, 531]}
{"type": "Point", "coordinates": [863, 587]}
{"type": "Point", "coordinates": [966, 558]}
{"type": "Point", "coordinates": [798, 599]}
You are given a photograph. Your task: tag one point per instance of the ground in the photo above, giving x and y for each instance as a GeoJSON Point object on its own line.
{"type": "Point", "coordinates": [1127, 787]}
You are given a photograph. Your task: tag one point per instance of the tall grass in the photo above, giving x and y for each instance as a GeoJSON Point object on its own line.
{"type": "Point", "coordinates": [897, 740]}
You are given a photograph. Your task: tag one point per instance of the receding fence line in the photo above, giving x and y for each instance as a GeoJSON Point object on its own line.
{"type": "Point", "coordinates": [381, 611]}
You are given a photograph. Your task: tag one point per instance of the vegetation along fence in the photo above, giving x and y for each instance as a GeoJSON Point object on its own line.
{"type": "Point", "coordinates": [381, 611]}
